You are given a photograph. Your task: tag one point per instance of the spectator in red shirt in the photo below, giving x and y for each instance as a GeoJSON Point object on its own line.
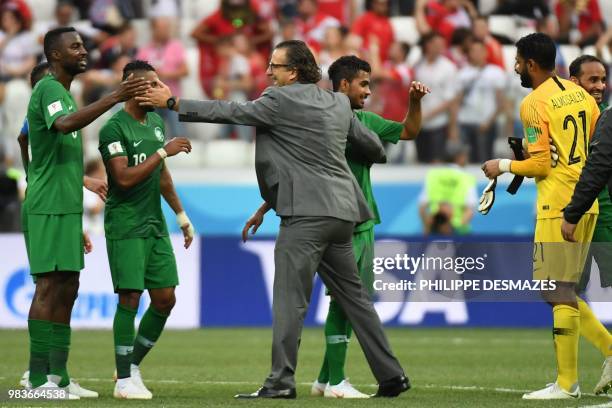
{"type": "Point", "coordinates": [375, 23]}
{"type": "Point", "coordinates": [481, 32]}
{"type": "Point", "coordinates": [443, 16]}
{"type": "Point", "coordinates": [342, 10]}
{"type": "Point", "coordinates": [312, 24]}
{"type": "Point", "coordinates": [393, 78]}
{"type": "Point", "coordinates": [580, 21]}
{"type": "Point", "coordinates": [233, 16]}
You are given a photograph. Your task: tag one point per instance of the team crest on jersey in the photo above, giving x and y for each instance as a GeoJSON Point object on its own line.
{"type": "Point", "coordinates": [159, 134]}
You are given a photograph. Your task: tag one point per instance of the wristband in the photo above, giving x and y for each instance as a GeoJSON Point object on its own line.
{"type": "Point", "coordinates": [182, 219]}
{"type": "Point", "coordinates": [162, 152]}
{"type": "Point", "coordinates": [504, 165]}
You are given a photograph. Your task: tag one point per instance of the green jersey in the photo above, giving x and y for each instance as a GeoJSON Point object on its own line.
{"type": "Point", "coordinates": [604, 219]}
{"type": "Point", "coordinates": [55, 172]}
{"type": "Point", "coordinates": [135, 212]}
{"type": "Point", "coordinates": [387, 131]}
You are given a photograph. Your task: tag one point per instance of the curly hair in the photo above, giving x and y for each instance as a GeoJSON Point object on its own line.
{"type": "Point", "coordinates": [301, 59]}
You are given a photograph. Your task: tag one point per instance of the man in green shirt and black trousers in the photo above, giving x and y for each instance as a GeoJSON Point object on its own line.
{"type": "Point", "coordinates": [351, 76]}
{"type": "Point", "coordinates": [139, 249]}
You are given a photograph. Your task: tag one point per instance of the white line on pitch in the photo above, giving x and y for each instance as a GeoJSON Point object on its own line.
{"type": "Point", "coordinates": [606, 405]}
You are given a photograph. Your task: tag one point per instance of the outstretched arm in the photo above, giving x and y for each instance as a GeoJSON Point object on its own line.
{"type": "Point", "coordinates": [260, 112]}
{"type": "Point", "coordinates": [78, 120]}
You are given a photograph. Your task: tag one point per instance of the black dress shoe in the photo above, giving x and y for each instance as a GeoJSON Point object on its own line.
{"type": "Point", "coordinates": [393, 387]}
{"type": "Point", "coordinates": [265, 392]}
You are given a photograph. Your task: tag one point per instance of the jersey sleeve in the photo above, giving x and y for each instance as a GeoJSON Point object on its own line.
{"type": "Point", "coordinates": [535, 127]}
{"type": "Point", "coordinates": [111, 142]}
{"type": "Point", "coordinates": [386, 130]}
{"type": "Point", "coordinates": [53, 102]}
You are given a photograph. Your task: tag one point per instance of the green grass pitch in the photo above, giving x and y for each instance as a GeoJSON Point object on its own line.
{"type": "Point", "coordinates": [205, 368]}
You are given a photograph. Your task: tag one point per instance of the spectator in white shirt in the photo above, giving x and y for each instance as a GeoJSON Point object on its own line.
{"type": "Point", "coordinates": [17, 45]}
{"type": "Point", "coordinates": [438, 110]}
{"type": "Point", "coordinates": [481, 101]}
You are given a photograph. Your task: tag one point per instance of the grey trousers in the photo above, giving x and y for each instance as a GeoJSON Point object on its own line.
{"type": "Point", "coordinates": [304, 246]}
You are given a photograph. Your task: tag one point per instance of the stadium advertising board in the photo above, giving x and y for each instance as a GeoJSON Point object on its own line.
{"type": "Point", "coordinates": [95, 306]}
{"type": "Point", "coordinates": [240, 277]}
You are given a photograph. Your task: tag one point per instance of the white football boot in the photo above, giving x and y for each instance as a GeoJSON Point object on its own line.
{"type": "Point", "coordinates": [317, 389]}
{"type": "Point", "coordinates": [126, 389]}
{"type": "Point", "coordinates": [605, 382]}
{"type": "Point", "coordinates": [50, 385]}
{"type": "Point", "coordinates": [343, 390]}
{"type": "Point", "coordinates": [553, 392]}
{"type": "Point", "coordinates": [137, 379]}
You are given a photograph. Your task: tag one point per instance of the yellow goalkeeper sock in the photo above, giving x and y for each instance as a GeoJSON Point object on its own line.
{"type": "Point", "coordinates": [566, 332]}
{"type": "Point", "coordinates": [592, 329]}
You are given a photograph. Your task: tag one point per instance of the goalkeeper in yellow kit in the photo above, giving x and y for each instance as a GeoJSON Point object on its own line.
{"type": "Point", "coordinates": [560, 111]}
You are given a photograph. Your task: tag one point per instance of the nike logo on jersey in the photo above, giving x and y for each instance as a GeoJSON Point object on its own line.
{"type": "Point", "coordinates": [137, 143]}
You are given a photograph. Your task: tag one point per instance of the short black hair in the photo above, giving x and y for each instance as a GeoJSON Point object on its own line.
{"type": "Point", "coordinates": [348, 68]}
{"type": "Point", "coordinates": [427, 38]}
{"type": "Point", "coordinates": [38, 72]}
{"type": "Point", "coordinates": [52, 39]}
{"type": "Point", "coordinates": [576, 66]}
{"type": "Point", "coordinates": [136, 65]}
{"type": "Point", "coordinates": [538, 47]}
{"type": "Point", "coordinates": [460, 35]}
{"type": "Point", "coordinates": [300, 58]}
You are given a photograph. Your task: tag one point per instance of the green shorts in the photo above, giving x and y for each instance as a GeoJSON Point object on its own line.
{"type": "Point", "coordinates": [142, 263]}
{"type": "Point", "coordinates": [55, 243]}
{"type": "Point", "coordinates": [601, 251]}
{"type": "Point", "coordinates": [363, 248]}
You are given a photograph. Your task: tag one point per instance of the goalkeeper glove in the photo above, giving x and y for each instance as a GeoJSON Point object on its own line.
{"type": "Point", "coordinates": [488, 197]}
{"type": "Point", "coordinates": [554, 155]}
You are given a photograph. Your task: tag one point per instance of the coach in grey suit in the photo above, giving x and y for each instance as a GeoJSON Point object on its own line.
{"type": "Point", "coordinates": [303, 175]}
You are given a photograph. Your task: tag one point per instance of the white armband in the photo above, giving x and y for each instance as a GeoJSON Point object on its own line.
{"type": "Point", "coordinates": [162, 152]}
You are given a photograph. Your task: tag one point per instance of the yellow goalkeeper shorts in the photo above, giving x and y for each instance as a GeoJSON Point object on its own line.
{"type": "Point", "coordinates": [556, 259]}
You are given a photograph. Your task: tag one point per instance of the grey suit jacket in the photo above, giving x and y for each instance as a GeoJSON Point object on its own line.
{"type": "Point", "coordinates": [302, 133]}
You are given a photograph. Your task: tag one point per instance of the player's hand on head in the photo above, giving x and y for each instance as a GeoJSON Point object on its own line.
{"type": "Point", "coordinates": [132, 87]}
{"type": "Point", "coordinates": [418, 90]}
{"type": "Point", "coordinates": [156, 96]}
{"type": "Point", "coordinates": [87, 245]}
{"type": "Point", "coordinates": [177, 145]}
{"type": "Point", "coordinates": [98, 186]}
{"type": "Point", "coordinates": [567, 230]}
{"type": "Point", "coordinates": [252, 224]}
{"type": "Point", "coordinates": [491, 168]}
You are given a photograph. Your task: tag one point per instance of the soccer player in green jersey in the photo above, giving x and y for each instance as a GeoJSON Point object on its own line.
{"type": "Point", "coordinates": [351, 76]}
{"type": "Point", "coordinates": [54, 202]}
{"type": "Point", "coordinates": [590, 73]}
{"type": "Point", "coordinates": [139, 249]}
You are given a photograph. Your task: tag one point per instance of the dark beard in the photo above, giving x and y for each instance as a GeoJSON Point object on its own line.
{"type": "Point", "coordinates": [74, 69]}
{"type": "Point", "coordinates": [149, 108]}
{"type": "Point", "coordinates": [526, 81]}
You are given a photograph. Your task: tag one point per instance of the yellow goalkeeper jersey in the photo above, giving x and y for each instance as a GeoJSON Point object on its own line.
{"type": "Point", "coordinates": [564, 112]}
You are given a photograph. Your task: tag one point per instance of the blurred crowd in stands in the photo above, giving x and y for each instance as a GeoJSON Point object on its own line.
{"type": "Point", "coordinates": [462, 49]}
